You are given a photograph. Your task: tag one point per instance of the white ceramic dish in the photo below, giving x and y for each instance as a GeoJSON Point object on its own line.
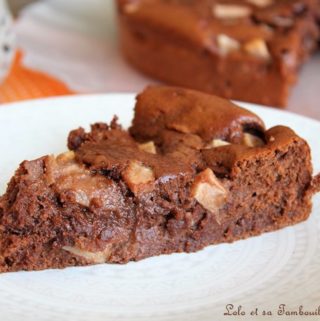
{"type": "Point", "coordinates": [259, 273]}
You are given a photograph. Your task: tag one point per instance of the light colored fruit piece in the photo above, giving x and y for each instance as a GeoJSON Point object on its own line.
{"type": "Point", "coordinates": [66, 157]}
{"type": "Point", "coordinates": [258, 48]}
{"type": "Point", "coordinates": [208, 191]}
{"type": "Point", "coordinates": [252, 140]}
{"type": "Point", "coordinates": [227, 44]}
{"type": "Point", "coordinates": [75, 180]}
{"type": "Point", "coordinates": [148, 147]}
{"type": "Point", "coordinates": [131, 7]}
{"type": "Point", "coordinates": [285, 22]}
{"type": "Point", "coordinates": [62, 165]}
{"type": "Point", "coordinates": [231, 11]}
{"type": "Point", "coordinates": [261, 3]}
{"type": "Point", "coordinates": [92, 257]}
{"type": "Point", "coordinates": [217, 143]}
{"type": "Point", "coordinates": [138, 176]}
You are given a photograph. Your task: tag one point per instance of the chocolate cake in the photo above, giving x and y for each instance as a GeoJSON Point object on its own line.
{"type": "Point", "coordinates": [192, 170]}
{"type": "Point", "coordinates": [248, 50]}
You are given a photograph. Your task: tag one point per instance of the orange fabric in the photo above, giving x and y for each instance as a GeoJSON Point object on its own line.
{"type": "Point", "coordinates": [23, 83]}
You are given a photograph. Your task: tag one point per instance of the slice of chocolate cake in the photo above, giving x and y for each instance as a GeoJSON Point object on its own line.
{"type": "Point", "coordinates": [193, 170]}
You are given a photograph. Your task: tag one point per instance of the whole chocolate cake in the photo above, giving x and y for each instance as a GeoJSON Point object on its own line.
{"type": "Point", "coordinates": [249, 50]}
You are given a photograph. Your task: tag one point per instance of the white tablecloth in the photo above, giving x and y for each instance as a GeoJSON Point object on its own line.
{"type": "Point", "coordinates": [76, 41]}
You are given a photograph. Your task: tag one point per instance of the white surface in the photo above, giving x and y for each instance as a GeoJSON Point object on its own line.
{"type": "Point", "coordinates": [76, 41]}
{"type": "Point", "coordinates": [262, 272]}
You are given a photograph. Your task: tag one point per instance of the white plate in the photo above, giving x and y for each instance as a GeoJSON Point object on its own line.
{"type": "Point", "coordinates": [263, 272]}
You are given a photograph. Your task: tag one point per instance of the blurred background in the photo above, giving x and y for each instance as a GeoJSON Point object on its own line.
{"type": "Point", "coordinates": [70, 46]}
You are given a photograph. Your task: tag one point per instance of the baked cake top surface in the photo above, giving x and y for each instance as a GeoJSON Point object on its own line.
{"type": "Point", "coordinates": [251, 28]}
{"type": "Point", "coordinates": [178, 132]}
